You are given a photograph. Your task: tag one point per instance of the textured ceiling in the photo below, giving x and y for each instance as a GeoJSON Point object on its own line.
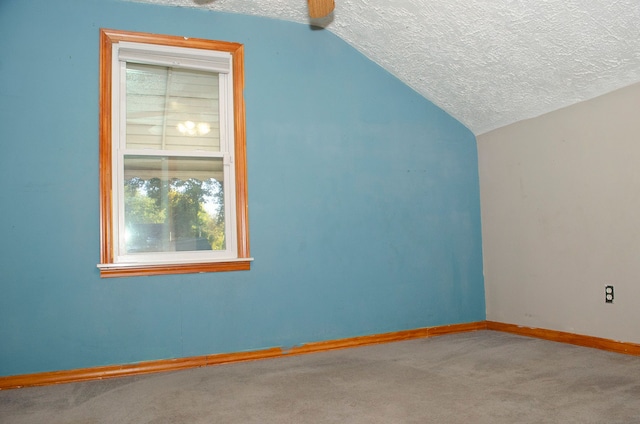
{"type": "Point", "coordinates": [488, 63]}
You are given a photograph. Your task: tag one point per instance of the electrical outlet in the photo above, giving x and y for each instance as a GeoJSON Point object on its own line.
{"type": "Point", "coordinates": [608, 294]}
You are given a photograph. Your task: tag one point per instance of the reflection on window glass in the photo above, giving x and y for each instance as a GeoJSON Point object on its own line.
{"type": "Point", "coordinates": [172, 108]}
{"type": "Point", "coordinates": [173, 204]}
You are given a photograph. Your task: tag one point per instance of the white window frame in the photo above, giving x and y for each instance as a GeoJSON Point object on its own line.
{"type": "Point", "coordinates": [117, 49]}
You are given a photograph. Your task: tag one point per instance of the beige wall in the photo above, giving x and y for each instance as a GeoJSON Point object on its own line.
{"type": "Point", "coordinates": [560, 199]}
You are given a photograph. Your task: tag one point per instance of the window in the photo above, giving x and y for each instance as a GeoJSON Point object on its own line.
{"type": "Point", "coordinates": [172, 155]}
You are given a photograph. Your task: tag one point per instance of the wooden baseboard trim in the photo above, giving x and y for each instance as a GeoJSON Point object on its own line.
{"type": "Point", "coordinates": [419, 333]}
{"type": "Point", "coordinates": [569, 338]}
{"type": "Point", "coordinates": [113, 371]}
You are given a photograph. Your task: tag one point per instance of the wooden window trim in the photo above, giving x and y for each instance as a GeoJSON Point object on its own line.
{"type": "Point", "coordinates": [107, 266]}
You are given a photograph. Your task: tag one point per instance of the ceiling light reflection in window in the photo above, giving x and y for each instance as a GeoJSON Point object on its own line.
{"type": "Point", "coordinates": [191, 128]}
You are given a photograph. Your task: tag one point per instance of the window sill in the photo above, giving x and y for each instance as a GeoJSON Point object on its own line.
{"type": "Point", "coordinates": [138, 269]}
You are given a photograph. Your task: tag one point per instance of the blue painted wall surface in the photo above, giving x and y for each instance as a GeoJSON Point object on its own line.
{"type": "Point", "coordinates": [364, 202]}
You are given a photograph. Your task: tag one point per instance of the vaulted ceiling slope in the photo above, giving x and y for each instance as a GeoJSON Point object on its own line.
{"type": "Point", "coordinates": [488, 63]}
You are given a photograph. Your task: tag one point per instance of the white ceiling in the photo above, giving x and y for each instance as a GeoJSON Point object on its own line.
{"type": "Point", "coordinates": [488, 63]}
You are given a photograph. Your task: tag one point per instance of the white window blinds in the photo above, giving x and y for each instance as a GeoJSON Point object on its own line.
{"type": "Point", "coordinates": [205, 60]}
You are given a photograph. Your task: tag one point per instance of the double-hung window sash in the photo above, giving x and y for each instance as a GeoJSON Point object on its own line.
{"type": "Point", "coordinates": [173, 155]}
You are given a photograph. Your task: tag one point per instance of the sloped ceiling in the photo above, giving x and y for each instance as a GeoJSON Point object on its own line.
{"type": "Point", "coordinates": [489, 63]}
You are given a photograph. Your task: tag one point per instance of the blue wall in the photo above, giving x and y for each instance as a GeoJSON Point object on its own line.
{"type": "Point", "coordinates": [363, 196]}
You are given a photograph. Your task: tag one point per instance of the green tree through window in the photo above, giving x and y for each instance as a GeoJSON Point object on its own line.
{"type": "Point", "coordinates": [183, 213]}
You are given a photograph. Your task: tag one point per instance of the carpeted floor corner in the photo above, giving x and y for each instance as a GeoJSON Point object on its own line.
{"type": "Point", "coordinates": [480, 377]}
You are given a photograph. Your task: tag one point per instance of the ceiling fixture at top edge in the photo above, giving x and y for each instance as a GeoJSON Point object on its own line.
{"type": "Point", "coordinates": [320, 8]}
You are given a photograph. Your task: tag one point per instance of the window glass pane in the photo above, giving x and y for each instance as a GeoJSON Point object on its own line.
{"type": "Point", "coordinates": [172, 108]}
{"type": "Point", "coordinates": [173, 204]}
